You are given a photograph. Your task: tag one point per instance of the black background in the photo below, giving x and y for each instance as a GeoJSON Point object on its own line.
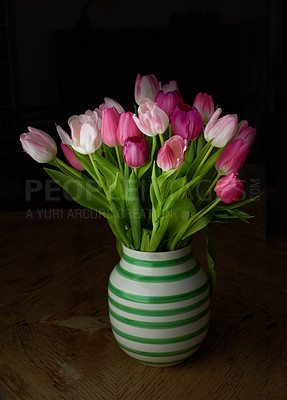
{"type": "Point", "coordinates": [66, 56]}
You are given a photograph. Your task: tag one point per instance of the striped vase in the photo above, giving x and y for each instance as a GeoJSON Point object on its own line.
{"type": "Point", "coordinates": [159, 305]}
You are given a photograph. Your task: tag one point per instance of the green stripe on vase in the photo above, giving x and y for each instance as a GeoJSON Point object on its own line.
{"type": "Point", "coordinates": [154, 263]}
{"type": "Point", "coordinates": [157, 279]}
{"type": "Point", "coordinates": [172, 340]}
{"type": "Point", "coordinates": [164, 354]}
{"type": "Point", "coordinates": [158, 299]}
{"type": "Point", "coordinates": [158, 313]}
{"type": "Point", "coordinates": [159, 325]}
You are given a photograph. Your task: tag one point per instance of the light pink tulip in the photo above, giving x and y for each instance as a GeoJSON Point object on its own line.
{"type": "Point", "coordinates": [169, 87]}
{"type": "Point", "coordinates": [220, 130]}
{"type": "Point", "coordinates": [85, 136]}
{"type": "Point", "coordinates": [127, 127]}
{"type": "Point", "coordinates": [146, 86]}
{"type": "Point", "coordinates": [109, 128]}
{"type": "Point", "coordinates": [233, 157]}
{"type": "Point", "coordinates": [39, 145]}
{"type": "Point", "coordinates": [95, 116]}
{"type": "Point", "coordinates": [109, 103]}
{"type": "Point", "coordinates": [151, 119]}
{"type": "Point", "coordinates": [71, 157]}
{"type": "Point", "coordinates": [229, 189]}
{"type": "Point", "coordinates": [246, 133]}
{"type": "Point", "coordinates": [171, 154]}
{"type": "Point", "coordinates": [205, 105]}
{"type": "Point", "coordinates": [135, 151]}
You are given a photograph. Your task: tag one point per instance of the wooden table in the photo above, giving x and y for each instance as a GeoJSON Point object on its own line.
{"type": "Point", "coordinates": [55, 338]}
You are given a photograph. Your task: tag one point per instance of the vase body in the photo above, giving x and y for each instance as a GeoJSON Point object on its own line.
{"type": "Point", "coordinates": [159, 305]}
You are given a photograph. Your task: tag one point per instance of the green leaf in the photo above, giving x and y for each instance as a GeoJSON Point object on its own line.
{"type": "Point", "coordinates": [210, 256]}
{"type": "Point", "coordinates": [110, 154]}
{"type": "Point", "coordinates": [181, 205]}
{"type": "Point", "coordinates": [158, 235]}
{"type": "Point", "coordinates": [170, 201]}
{"type": "Point", "coordinates": [200, 224]}
{"type": "Point", "coordinates": [145, 239]}
{"type": "Point", "coordinates": [141, 170]}
{"type": "Point", "coordinates": [108, 170]}
{"type": "Point", "coordinates": [200, 143]}
{"type": "Point", "coordinates": [197, 160]}
{"type": "Point", "coordinates": [82, 192]}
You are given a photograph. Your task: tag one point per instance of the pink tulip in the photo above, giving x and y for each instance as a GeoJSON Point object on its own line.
{"type": "Point", "coordinates": [146, 86]}
{"type": "Point", "coordinates": [229, 189]}
{"type": "Point", "coordinates": [85, 136]}
{"type": "Point", "coordinates": [135, 151]}
{"type": "Point", "coordinates": [171, 154]}
{"type": "Point", "coordinates": [109, 128]}
{"type": "Point", "coordinates": [168, 100]}
{"type": "Point", "coordinates": [220, 130]}
{"type": "Point", "coordinates": [127, 127]}
{"type": "Point", "coordinates": [233, 157]}
{"type": "Point", "coordinates": [39, 145]}
{"type": "Point", "coordinates": [246, 132]}
{"type": "Point", "coordinates": [151, 119]}
{"type": "Point", "coordinates": [71, 157]}
{"type": "Point", "coordinates": [205, 105]}
{"type": "Point", "coordinates": [109, 103]}
{"type": "Point", "coordinates": [186, 122]}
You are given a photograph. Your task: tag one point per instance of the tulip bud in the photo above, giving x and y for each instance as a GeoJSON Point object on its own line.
{"type": "Point", "coordinates": [171, 154]}
{"type": "Point", "coordinates": [127, 127]}
{"type": "Point", "coordinates": [135, 151]}
{"type": "Point", "coordinates": [233, 157]}
{"type": "Point", "coordinates": [146, 86]}
{"type": "Point", "coordinates": [169, 87]}
{"type": "Point", "coordinates": [229, 189]}
{"type": "Point", "coordinates": [246, 132]}
{"type": "Point", "coordinates": [109, 103]}
{"type": "Point", "coordinates": [71, 157]}
{"type": "Point", "coordinates": [220, 130]}
{"type": "Point", "coordinates": [205, 105]}
{"type": "Point", "coordinates": [110, 122]}
{"type": "Point", "coordinates": [39, 145]}
{"type": "Point", "coordinates": [186, 122]}
{"type": "Point", "coordinates": [168, 100]}
{"type": "Point", "coordinates": [151, 119]}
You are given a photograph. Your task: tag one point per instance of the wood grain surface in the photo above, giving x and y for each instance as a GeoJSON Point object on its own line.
{"type": "Point", "coordinates": [55, 337]}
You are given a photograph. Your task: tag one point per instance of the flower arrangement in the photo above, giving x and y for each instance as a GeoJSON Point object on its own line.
{"type": "Point", "coordinates": [157, 175]}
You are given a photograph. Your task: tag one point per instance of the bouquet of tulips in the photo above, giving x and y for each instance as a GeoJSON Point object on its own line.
{"type": "Point", "coordinates": [158, 174]}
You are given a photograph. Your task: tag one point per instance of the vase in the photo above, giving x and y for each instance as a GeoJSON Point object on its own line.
{"type": "Point", "coordinates": [159, 305]}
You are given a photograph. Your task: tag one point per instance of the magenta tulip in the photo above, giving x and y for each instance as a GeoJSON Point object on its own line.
{"type": "Point", "coordinates": [39, 145]}
{"type": "Point", "coordinates": [186, 122]}
{"type": "Point", "coordinates": [246, 133]}
{"type": "Point", "coordinates": [135, 151]}
{"type": "Point", "coordinates": [146, 86]}
{"type": "Point", "coordinates": [221, 130]}
{"type": "Point", "coordinates": [71, 157]}
{"type": "Point", "coordinates": [205, 105]}
{"type": "Point", "coordinates": [168, 100]}
{"type": "Point", "coordinates": [85, 136]}
{"type": "Point", "coordinates": [127, 127]}
{"type": "Point", "coordinates": [233, 157]}
{"type": "Point", "coordinates": [109, 127]}
{"type": "Point", "coordinates": [171, 154]}
{"type": "Point", "coordinates": [229, 189]}
{"type": "Point", "coordinates": [151, 119]}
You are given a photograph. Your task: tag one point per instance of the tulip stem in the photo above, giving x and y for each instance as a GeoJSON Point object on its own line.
{"type": "Point", "coordinates": [211, 186]}
{"type": "Point", "coordinates": [169, 131]}
{"type": "Point", "coordinates": [119, 159]}
{"type": "Point", "coordinates": [70, 169]}
{"type": "Point", "coordinates": [203, 161]}
{"type": "Point", "coordinates": [110, 200]}
{"type": "Point", "coordinates": [161, 139]}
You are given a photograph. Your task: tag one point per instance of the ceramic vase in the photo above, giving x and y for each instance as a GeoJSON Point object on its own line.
{"type": "Point", "coordinates": [159, 305]}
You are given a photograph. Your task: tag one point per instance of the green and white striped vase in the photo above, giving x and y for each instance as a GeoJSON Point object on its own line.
{"type": "Point", "coordinates": [159, 305]}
